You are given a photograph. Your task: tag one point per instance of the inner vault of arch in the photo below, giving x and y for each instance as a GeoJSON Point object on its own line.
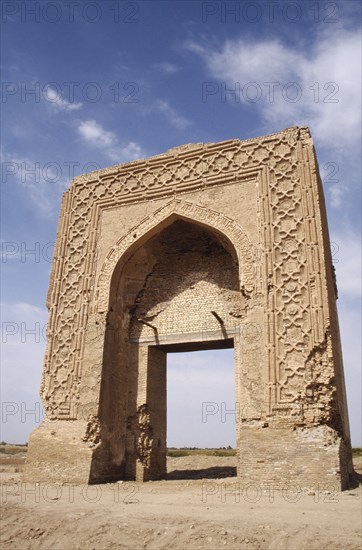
{"type": "Point", "coordinates": [180, 287]}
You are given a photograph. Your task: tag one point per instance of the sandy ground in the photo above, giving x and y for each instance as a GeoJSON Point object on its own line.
{"type": "Point", "coordinates": [215, 512]}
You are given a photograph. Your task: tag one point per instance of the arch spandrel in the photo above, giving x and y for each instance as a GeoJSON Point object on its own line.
{"type": "Point", "coordinates": [191, 212]}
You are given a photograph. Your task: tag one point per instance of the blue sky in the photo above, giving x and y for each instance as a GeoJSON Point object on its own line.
{"type": "Point", "coordinates": [90, 84]}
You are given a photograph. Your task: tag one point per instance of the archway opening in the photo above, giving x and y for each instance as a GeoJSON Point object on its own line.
{"type": "Point", "coordinates": [178, 291]}
{"type": "Point", "coordinates": [201, 414]}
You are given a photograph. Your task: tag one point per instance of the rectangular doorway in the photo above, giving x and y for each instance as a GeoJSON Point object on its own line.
{"type": "Point", "coordinates": [201, 419]}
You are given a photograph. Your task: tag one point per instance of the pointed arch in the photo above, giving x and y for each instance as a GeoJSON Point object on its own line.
{"type": "Point", "coordinates": [189, 211]}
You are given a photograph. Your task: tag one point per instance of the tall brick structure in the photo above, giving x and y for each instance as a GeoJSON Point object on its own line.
{"type": "Point", "coordinates": [206, 246]}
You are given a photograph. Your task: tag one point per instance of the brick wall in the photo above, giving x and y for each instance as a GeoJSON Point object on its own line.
{"type": "Point", "coordinates": [185, 274]}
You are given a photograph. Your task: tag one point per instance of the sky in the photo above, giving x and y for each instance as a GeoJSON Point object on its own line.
{"type": "Point", "coordinates": [89, 84]}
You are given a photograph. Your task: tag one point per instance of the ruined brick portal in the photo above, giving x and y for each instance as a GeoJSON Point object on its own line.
{"type": "Point", "coordinates": [206, 246]}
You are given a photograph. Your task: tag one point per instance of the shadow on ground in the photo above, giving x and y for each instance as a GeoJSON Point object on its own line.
{"type": "Point", "coordinates": [217, 472]}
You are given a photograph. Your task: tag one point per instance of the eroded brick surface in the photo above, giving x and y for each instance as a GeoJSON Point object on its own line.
{"type": "Point", "coordinates": [209, 245]}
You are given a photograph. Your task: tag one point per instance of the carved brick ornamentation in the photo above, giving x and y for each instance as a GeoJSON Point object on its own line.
{"type": "Point", "coordinates": [258, 206]}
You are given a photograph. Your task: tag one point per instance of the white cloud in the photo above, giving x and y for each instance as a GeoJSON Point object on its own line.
{"type": "Point", "coordinates": [43, 183]}
{"type": "Point", "coordinates": [327, 79]}
{"type": "Point", "coordinates": [56, 100]}
{"type": "Point", "coordinates": [243, 62]}
{"type": "Point", "coordinates": [130, 152]}
{"type": "Point", "coordinates": [336, 193]}
{"type": "Point", "coordinates": [346, 254]}
{"type": "Point", "coordinates": [169, 68]}
{"type": "Point", "coordinates": [23, 333]}
{"type": "Point", "coordinates": [350, 326]}
{"type": "Point", "coordinates": [178, 121]}
{"type": "Point", "coordinates": [334, 188]}
{"type": "Point", "coordinates": [95, 135]}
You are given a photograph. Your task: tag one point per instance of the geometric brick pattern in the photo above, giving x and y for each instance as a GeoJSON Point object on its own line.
{"type": "Point", "coordinates": [263, 200]}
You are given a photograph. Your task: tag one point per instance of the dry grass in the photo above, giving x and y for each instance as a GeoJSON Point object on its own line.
{"type": "Point", "coordinates": [185, 451]}
{"type": "Point", "coordinates": [12, 450]}
{"type": "Point", "coordinates": [9, 449]}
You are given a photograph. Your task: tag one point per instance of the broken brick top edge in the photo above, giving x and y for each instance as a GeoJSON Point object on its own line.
{"type": "Point", "coordinates": [190, 149]}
